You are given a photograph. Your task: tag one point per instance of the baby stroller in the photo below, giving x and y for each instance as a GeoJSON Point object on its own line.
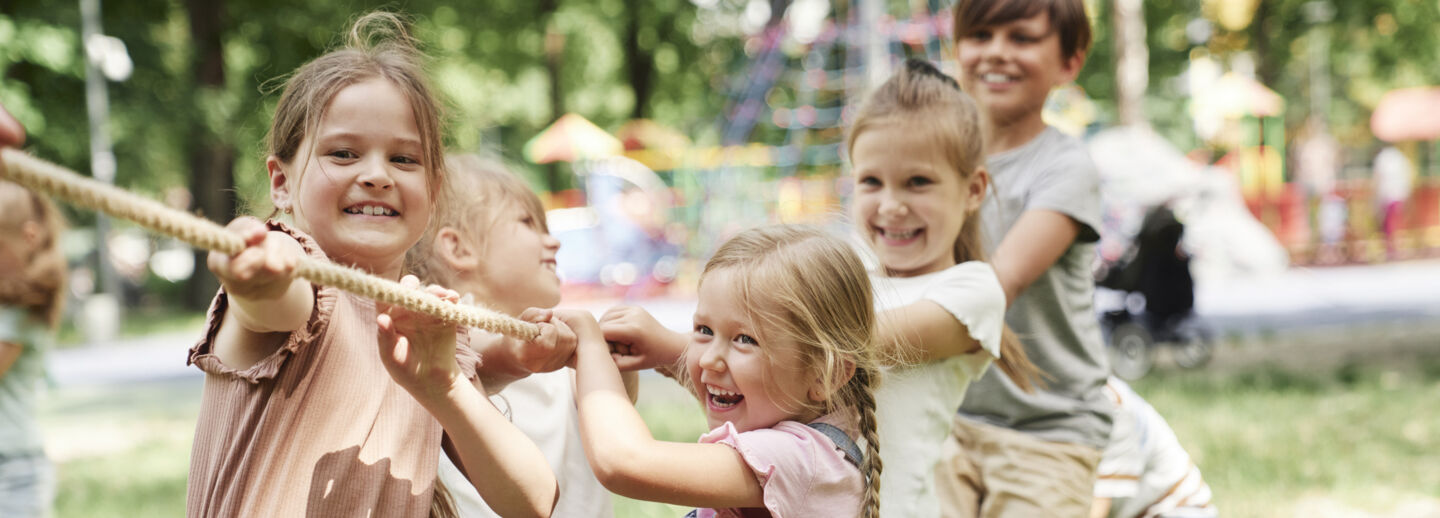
{"type": "Point", "coordinates": [1153, 278]}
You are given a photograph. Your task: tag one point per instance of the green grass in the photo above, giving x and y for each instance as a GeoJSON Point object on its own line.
{"type": "Point", "coordinates": [1355, 436]}
{"type": "Point", "coordinates": [1271, 442]}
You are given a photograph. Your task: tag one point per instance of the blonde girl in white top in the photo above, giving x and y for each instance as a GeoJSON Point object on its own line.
{"type": "Point", "coordinates": [917, 157]}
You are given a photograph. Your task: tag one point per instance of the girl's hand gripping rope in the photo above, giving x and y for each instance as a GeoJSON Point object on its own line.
{"type": "Point", "coordinates": [264, 269]}
{"type": "Point", "coordinates": [418, 349]}
{"type": "Point", "coordinates": [639, 342]}
{"type": "Point", "coordinates": [260, 279]}
{"type": "Point", "coordinates": [552, 349]}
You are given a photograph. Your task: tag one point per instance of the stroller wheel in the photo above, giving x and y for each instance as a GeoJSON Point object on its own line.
{"type": "Point", "coordinates": [1129, 351]}
{"type": "Point", "coordinates": [1194, 345]}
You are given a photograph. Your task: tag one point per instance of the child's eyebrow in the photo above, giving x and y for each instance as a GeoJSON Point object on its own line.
{"type": "Point", "coordinates": [405, 141]}
{"type": "Point", "coordinates": [350, 135]}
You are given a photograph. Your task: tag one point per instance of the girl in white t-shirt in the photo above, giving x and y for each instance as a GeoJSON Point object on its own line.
{"type": "Point", "coordinates": [916, 152]}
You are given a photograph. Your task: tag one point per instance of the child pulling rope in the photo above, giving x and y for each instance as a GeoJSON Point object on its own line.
{"type": "Point", "coordinates": [42, 176]}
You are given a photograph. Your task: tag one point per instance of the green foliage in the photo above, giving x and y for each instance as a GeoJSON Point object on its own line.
{"type": "Point", "coordinates": [488, 60]}
{"type": "Point", "coordinates": [1373, 46]}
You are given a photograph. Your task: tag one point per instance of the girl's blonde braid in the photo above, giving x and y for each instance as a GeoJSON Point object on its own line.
{"type": "Point", "coordinates": [57, 181]}
{"type": "Point", "coordinates": [872, 466]}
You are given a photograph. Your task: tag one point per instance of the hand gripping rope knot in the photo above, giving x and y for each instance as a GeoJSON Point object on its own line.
{"type": "Point", "coordinates": [56, 181]}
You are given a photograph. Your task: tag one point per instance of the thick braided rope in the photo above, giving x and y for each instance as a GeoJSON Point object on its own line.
{"type": "Point", "coordinates": [61, 183]}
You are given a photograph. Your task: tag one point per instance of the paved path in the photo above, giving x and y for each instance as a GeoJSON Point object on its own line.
{"type": "Point", "coordinates": [1297, 300]}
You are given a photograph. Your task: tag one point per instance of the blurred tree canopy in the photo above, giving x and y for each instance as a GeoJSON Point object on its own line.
{"type": "Point", "coordinates": [212, 69]}
{"type": "Point", "coordinates": [1373, 46]}
{"type": "Point", "coordinates": [207, 76]}
{"type": "Point", "coordinates": [207, 72]}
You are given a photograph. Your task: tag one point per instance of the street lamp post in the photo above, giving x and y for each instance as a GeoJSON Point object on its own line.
{"type": "Point", "coordinates": [105, 317]}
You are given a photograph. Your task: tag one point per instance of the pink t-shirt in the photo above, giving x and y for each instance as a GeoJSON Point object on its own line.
{"type": "Point", "coordinates": [800, 470]}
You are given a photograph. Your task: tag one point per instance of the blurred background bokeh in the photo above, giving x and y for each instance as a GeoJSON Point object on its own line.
{"type": "Point", "coordinates": [1296, 141]}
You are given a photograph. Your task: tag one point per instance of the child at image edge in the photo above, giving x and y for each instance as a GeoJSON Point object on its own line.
{"type": "Point", "coordinates": [316, 401]}
{"type": "Point", "coordinates": [32, 293]}
{"type": "Point", "coordinates": [1015, 453]}
{"type": "Point", "coordinates": [782, 358]}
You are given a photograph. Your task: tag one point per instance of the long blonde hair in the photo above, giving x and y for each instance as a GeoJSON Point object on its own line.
{"type": "Point", "coordinates": [475, 192]}
{"type": "Point", "coordinates": [379, 45]}
{"type": "Point", "coordinates": [815, 291]}
{"type": "Point", "coordinates": [922, 96]}
{"type": "Point", "coordinates": [41, 286]}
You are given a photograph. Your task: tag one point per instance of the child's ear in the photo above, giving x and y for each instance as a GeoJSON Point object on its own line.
{"type": "Point", "coordinates": [32, 232]}
{"type": "Point", "coordinates": [1070, 67]}
{"type": "Point", "coordinates": [819, 392]}
{"type": "Point", "coordinates": [455, 250]}
{"type": "Point", "coordinates": [979, 186]}
{"type": "Point", "coordinates": [279, 184]}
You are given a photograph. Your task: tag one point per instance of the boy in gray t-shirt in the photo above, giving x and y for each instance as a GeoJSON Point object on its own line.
{"type": "Point", "coordinates": [1015, 453]}
{"type": "Point", "coordinates": [1054, 316]}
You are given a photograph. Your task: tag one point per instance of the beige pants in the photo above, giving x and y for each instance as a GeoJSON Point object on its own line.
{"type": "Point", "coordinates": [988, 471]}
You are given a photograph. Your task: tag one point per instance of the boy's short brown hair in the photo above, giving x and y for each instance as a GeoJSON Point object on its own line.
{"type": "Point", "coordinates": [1066, 16]}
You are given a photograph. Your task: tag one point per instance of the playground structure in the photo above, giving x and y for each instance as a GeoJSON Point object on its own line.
{"type": "Point", "coordinates": [779, 158]}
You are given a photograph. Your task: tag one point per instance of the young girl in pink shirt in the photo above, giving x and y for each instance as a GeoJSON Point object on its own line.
{"type": "Point", "coordinates": [317, 402]}
{"type": "Point", "coordinates": [782, 355]}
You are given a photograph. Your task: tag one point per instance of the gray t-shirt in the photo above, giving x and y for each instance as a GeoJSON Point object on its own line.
{"type": "Point", "coordinates": [1054, 316]}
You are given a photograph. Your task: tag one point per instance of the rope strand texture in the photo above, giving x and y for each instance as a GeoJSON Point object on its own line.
{"type": "Point", "coordinates": [34, 173]}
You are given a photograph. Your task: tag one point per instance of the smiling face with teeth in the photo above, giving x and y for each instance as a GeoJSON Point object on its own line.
{"type": "Point", "coordinates": [742, 376]}
{"type": "Point", "coordinates": [910, 202]}
{"type": "Point", "coordinates": [1010, 68]}
{"type": "Point", "coordinates": [357, 184]}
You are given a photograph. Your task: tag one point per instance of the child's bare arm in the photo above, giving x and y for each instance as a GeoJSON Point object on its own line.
{"type": "Point", "coordinates": [626, 457]}
{"type": "Point", "coordinates": [266, 299]}
{"type": "Point", "coordinates": [1100, 508]}
{"type": "Point", "coordinates": [922, 332]}
{"type": "Point", "coordinates": [1034, 243]}
{"type": "Point", "coordinates": [506, 468]}
{"type": "Point", "coordinates": [938, 325]}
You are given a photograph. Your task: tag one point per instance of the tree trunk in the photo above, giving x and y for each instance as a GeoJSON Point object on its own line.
{"type": "Point", "coordinates": [1132, 61]}
{"type": "Point", "coordinates": [1265, 72]}
{"type": "Point", "coordinates": [554, 54]}
{"type": "Point", "coordinates": [777, 12]}
{"type": "Point", "coordinates": [212, 157]}
{"type": "Point", "coordinates": [640, 63]}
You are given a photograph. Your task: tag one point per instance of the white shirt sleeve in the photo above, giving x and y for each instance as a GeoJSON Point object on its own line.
{"type": "Point", "coordinates": [971, 292]}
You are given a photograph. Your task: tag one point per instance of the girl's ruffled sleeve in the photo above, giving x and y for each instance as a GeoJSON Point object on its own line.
{"type": "Point", "coordinates": [202, 355]}
{"type": "Point", "coordinates": [800, 471]}
{"type": "Point", "coordinates": [972, 293]}
{"type": "Point", "coordinates": [466, 357]}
